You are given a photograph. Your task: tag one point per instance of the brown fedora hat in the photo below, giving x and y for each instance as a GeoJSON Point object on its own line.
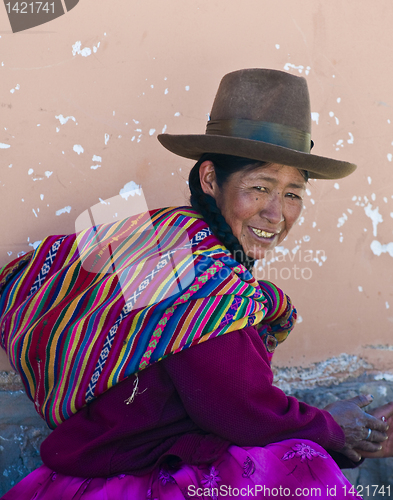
{"type": "Point", "coordinates": [264, 115]}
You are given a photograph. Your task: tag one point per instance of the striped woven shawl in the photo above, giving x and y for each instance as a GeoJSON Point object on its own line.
{"type": "Point", "coordinates": [83, 312]}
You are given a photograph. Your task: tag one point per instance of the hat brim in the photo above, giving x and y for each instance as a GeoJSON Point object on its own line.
{"type": "Point", "coordinates": [194, 146]}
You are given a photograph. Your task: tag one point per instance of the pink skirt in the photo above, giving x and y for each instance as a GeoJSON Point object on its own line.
{"type": "Point", "coordinates": [291, 468]}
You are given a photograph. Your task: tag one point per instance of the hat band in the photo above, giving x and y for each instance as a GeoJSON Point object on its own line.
{"type": "Point", "coordinates": [272, 133]}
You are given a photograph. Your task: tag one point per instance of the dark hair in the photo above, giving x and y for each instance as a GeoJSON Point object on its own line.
{"type": "Point", "coordinates": [224, 167]}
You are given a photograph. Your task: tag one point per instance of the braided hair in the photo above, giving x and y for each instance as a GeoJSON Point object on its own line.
{"type": "Point", "coordinates": [224, 167]}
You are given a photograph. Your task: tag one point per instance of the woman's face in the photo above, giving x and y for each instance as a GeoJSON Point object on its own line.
{"type": "Point", "coordinates": [260, 205]}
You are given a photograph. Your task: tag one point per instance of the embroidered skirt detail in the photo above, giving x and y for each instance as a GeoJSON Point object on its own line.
{"type": "Point", "coordinates": [290, 468]}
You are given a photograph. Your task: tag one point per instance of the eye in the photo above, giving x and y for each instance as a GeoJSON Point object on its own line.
{"type": "Point", "coordinates": [294, 196]}
{"type": "Point", "coordinates": [261, 189]}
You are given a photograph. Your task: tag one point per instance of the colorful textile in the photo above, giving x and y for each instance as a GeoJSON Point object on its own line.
{"type": "Point", "coordinates": [290, 468]}
{"type": "Point", "coordinates": [90, 309]}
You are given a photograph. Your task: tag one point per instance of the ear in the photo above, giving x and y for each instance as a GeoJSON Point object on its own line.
{"type": "Point", "coordinates": [207, 176]}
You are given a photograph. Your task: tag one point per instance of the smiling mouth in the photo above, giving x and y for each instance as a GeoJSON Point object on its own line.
{"type": "Point", "coordinates": [262, 234]}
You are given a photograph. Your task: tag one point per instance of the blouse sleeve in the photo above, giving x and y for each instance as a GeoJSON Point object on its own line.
{"type": "Point", "coordinates": [226, 387]}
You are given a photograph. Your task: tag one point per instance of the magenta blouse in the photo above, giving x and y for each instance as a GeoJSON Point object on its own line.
{"type": "Point", "coordinates": [190, 407]}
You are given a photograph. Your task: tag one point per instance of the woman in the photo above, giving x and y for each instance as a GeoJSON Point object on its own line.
{"type": "Point", "coordinates": [156, 378]}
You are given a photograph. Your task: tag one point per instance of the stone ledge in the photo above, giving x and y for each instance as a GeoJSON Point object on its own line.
{"type": "Point", "coordinates": [22, 430]}
{"type": "Point", "coordinates": [10, 381]}
{"type": "Point", "coordinates": [372, 471]}
{"type": "Point", "coordinates": [332, 371]}
{"type": "Point", "coordinates": [19, 452]}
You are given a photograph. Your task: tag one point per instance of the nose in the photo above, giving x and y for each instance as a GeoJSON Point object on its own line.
{"type": "Point", "coordinates": [273, 211]}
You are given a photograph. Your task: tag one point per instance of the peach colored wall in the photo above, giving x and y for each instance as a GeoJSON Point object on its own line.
{"type": "Point", "coordinates": [107, 77]}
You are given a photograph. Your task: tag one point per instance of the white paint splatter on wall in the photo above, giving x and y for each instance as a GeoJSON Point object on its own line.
{"type": "Point", "coordinates": [342, 220]}
{"type": "Point", "coordinates": [130, 189]}
{"type": "Point", "coordinates": [85, 52]}
{"type": "Point", "coordinates": [96, 158]}
{"type": "Point", "coordinates": [17, 87]}
{"type": "Point", "coordinates": [76, 49]}
{"type": "Point", "coordinates": [63, 120]}
{"type": "Point", "coordinates": [300, 68]}
{"type": "Point", "coordinates": [374, 215]}
{"type": "Point", "coordinates": [35, 245]}
{"type": "Point", "coordinates": [378, 249]}
{"type": "Point", "coordinates": [63, 210]}
{"type": "Point", "coordinates": [78, 149]}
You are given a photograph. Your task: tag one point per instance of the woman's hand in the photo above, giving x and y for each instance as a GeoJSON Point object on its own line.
{"type": "Point", "coordinates": [356, 424]}
{"type": "Point", "coordinates": [387, 446]}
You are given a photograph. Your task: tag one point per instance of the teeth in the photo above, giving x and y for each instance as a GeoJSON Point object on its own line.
{"type": "Point", "coordinates": [262, 234]}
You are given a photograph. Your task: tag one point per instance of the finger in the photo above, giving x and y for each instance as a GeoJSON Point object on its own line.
{"type": "Point", "coordinates": [377, 437]}
{"type": "Point", "coordinates": [375, 424]}
{"type": "Point", "coordinates": [385, 410]}
{"type": "Point", "coordinates": [368, 454]}
{"type": "Point", "coordinates": [362, 400]}
{"type": "Point", "coordinates": [351, 454]}
{"type": "Point", "coordinates": [368, 446]}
